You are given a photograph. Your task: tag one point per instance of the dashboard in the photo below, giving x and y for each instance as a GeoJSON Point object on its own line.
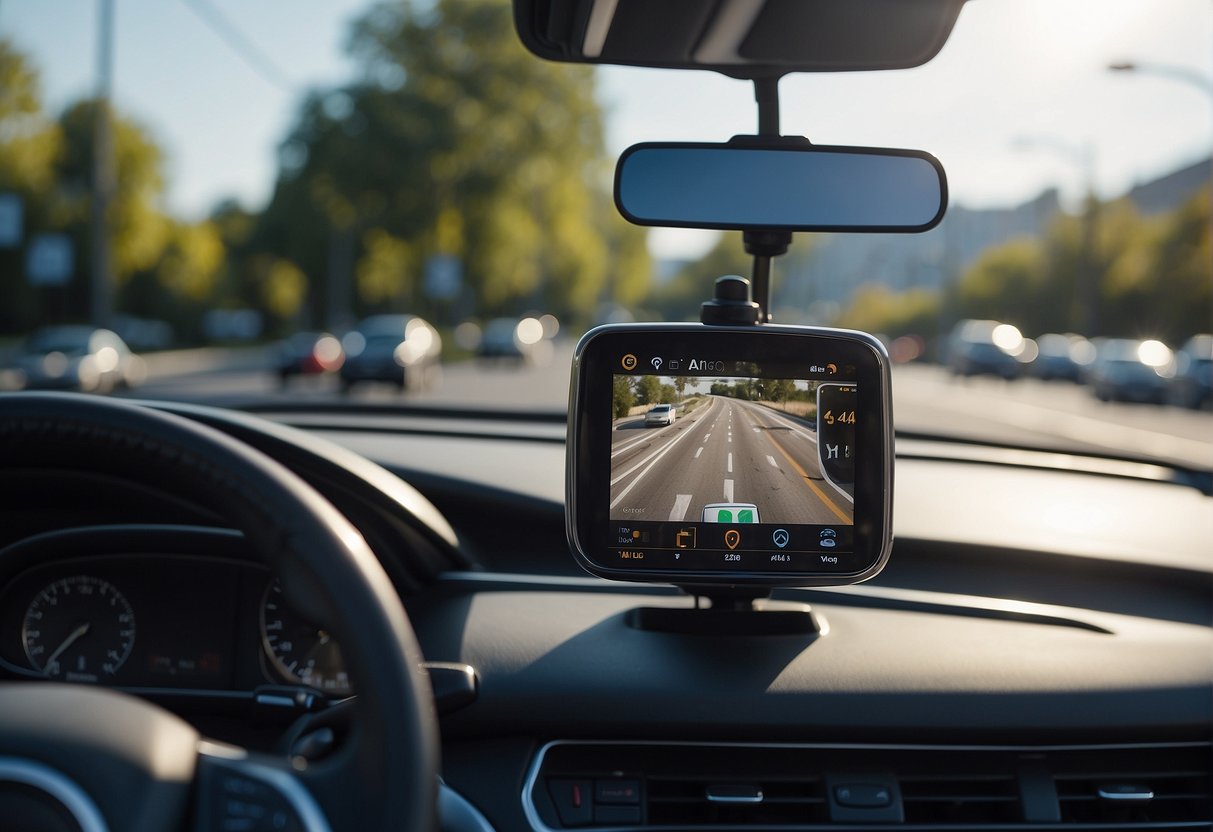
{"type": "Point", "coordinates": [160, 608]}
{"type": "Point", "coordinates": [1025, 651]}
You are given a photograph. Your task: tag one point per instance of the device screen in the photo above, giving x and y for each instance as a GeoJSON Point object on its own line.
{"type": "Point", "coordinates": [733, 464]}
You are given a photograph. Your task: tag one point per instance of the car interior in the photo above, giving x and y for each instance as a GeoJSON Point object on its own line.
{"type": "Point", "coordinates": [384, 618]}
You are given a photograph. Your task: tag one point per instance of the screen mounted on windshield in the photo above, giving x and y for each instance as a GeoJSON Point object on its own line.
{"type": "Point", "coordinates": [719, 455]}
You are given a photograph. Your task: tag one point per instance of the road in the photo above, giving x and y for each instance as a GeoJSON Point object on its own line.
{"type": "Point", "coordinates": [925, 398]}
{"type": "Point", "coordinates": [724, 450]}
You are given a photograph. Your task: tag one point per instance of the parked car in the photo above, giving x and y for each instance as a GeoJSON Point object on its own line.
{"type": "Point", "coordinates": [518, 339]}
{"type": "Point", "coordinates": [1192, 385]}
{"type": "Point", "coordinates": [80, 358]}
{"type": "Point", "coordinates": [984, 348]}
{"type": "Point", "coordinates": [660, 414]}
{"type": "Point", "coordinates": [403, 350]}
{"type": "Point", "coordinates": [309, 354]}
{"type": "Point", "coordinates": [1063, 357]}
{"type": "Point", "coordinates": [1126, 369]}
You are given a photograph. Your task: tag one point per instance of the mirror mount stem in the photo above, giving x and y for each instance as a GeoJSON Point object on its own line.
{"type": "Point", "coordinates": [765, 245]}
{"type": "Point", "coordinates": [766, 94]}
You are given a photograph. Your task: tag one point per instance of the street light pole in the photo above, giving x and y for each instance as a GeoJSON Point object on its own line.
{"type": "Point", "coordinates": [101, 284]}
{"type": "Point", "coordinates": [1085, 311]}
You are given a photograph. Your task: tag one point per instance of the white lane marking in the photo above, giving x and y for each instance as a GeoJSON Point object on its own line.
{"type": "Point", "coordinates": [628, 445]}
{"type": "Point", "coordinates": [681, 503]}
{"type": "Point", "coordinates": [698, 452]}
{"type": "Point", "coordinates": [730, 463]}
{"type": "Point", "coordinates": [728, 491]}
{"type": "Point", "coordinates": [654, 455]}
{"type": "Point", "coordinates": [771, 460]}
{"type": "Point", "coordinates": [655, 459]}
{"type": "Point", "coordinates": [757, 430]}
{"type": "Point", "coordinates": [706, 437]}
{"type": "Point", "coordinates": [730, 439]}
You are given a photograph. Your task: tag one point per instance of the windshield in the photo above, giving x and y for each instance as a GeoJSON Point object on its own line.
{"type": "Point", "coordinates": [378, 174]}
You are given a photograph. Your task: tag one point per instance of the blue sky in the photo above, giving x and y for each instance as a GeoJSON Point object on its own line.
{"type": "Point", "coordinates": [1013, 69]}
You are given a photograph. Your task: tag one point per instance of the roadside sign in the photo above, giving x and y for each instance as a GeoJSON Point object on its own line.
{"type": "Point", "coordinates": [50, 260]}
{"type": "Point", "coordinates": [443, 277]}
{"type": "Point", "coordinates": [11, 220]}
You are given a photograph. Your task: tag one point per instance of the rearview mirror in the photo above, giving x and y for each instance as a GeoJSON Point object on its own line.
{"type": "Point", "coordinates": [780, 188]}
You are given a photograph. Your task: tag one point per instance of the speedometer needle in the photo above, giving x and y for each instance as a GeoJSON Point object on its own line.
{"type": "Point", "coordinates": [71, 639]}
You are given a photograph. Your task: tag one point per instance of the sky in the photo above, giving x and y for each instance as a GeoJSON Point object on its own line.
{"type": "Point", "coordinates": [1018, 100]}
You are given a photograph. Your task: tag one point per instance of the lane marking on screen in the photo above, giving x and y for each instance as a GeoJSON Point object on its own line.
{"type": "Point", "coordinates": [698, 452]}
{"type": "Point", "coordinates": [681, 503]}
{"type": "Point", "coordinates": [804, 477]}
{"type": "Point", "coordinates": [771, 460]}
{"type": "Point", "coordinates": [629, 445]}
{"type": "Point", "coordinates": [653, 456]}
{"type": "Point", "coordinates": [730, 463]}
{"type": "Point", "coordinates": [728, 491]}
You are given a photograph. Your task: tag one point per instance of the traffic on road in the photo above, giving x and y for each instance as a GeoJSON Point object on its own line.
{"type": "Point", "coordinates": [726, 460]}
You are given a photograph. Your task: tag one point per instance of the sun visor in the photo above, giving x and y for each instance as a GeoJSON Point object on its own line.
{"type": "Point", "coordinates": [742, 38]}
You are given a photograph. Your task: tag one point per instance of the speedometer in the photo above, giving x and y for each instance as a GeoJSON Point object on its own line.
{"type": "Point", "coordinates": [79, 629]}
{"type": "Point", "coordinates": [299, 651]}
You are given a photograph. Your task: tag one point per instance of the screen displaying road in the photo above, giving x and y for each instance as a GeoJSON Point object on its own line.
{"type": "Point", "coordinates": [720, 450]}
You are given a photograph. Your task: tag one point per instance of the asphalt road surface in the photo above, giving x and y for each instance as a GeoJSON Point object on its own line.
{"type": "Point", "coordinates": [723, 451]}
{"type": "Point", "coordinates": [1026, 412]}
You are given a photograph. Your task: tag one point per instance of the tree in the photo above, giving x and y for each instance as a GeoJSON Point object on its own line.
{"type": "Point", "coordinates": [647, 389]}
{"type": "Point", "coordinates": [681, 296]}
{"type": "Point", "coordinates": [457, 142]}
{"type": "Point", "coordinates": [680, 386]}
{"type": "Point", "coordinates": [622, 397]}
{"type": "Point", "coordinates": [877, 308]}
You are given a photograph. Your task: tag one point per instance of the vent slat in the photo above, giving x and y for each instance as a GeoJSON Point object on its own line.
{"type": "Point", "coordinates": [936, 789]}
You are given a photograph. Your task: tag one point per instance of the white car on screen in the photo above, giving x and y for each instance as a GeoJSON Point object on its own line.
{"type": "Point", "coordinates": [660, 414]}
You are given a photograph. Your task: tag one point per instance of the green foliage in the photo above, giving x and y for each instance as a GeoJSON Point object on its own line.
{"type": "Point", "coordinates": [647, 389]}
{"type": "Point", "coordinates": [681, 296]}
{"type": "Point", "coordinates": [458, 142]}
{"type": "Point", "coordinates": [622, 397]}
{"type": "Point", "coordinates": [387, 270]}
{"type": "Point", "coordinates": [139, 231]}
{"type": "Point", "coordinates": [876, 308]}
{"type": "Point", "coordinates": [1151, 277]}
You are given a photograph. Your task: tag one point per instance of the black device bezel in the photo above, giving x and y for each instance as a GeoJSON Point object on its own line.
{"type": "Point", "coordinates": [587, 483]}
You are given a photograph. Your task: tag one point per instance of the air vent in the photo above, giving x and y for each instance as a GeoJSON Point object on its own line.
{"type": "Point", "coordinates": [675, 801]}
{"type": "Point", "coordinates": [960, 799]}
{"type": "Point", "coordinates": [1144, 788]}
{"type": "Point", "coordinates": [653, 786]}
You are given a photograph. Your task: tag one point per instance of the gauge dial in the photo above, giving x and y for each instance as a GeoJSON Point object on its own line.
{"type": "Point", "coordinates": [79, 629]}
{"type": "Point", "coordinates": [300, 651]}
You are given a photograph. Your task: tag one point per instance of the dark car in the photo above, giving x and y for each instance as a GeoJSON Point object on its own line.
{"type": "Point", "coordinates": [397, 349]}
{"type": "Point", "coordinates": [1192, 385]}
{"type": "Point", "coordinates": [80, 358]}
{"type": "Point", "coordinates": [518, 339]}
{"type": "Point", "coordinates": [982, 348]}
{"type": "Point", "coordinates": [1063, 357]}
{"type": "Point", "coordinates": [309, 354]}
{"type": "Point", "coordinates": [1132, 371]}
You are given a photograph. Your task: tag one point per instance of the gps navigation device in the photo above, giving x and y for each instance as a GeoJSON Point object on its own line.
{"type": "Point", "coordinates": [730, 455]}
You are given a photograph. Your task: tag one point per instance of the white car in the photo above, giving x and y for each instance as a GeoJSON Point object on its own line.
{"type": "Point", "coordinates": [660, 414]}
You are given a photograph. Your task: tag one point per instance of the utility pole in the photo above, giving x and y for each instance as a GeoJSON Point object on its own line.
{"type": "Point", "coordinates": [100, 267]}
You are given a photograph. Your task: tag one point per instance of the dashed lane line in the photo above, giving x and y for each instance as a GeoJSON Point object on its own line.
{"type": "Point", "coordinates": [681, 503]}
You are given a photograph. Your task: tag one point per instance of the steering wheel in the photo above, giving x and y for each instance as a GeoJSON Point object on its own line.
{"type": "Point", "coordinates": [114, 762]}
